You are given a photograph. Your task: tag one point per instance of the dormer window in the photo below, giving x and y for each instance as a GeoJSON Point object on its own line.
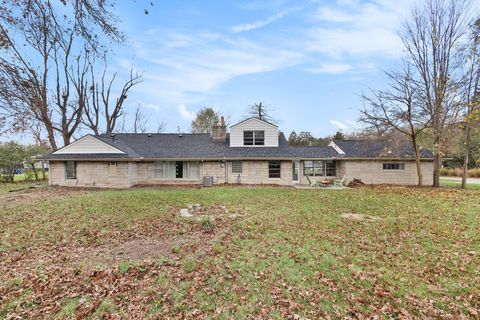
{"type": "Point", "coordinates": [254, 138]}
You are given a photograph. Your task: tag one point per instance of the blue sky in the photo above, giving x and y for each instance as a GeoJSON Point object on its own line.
{"type": "Point", "coordinates": [308, 60]}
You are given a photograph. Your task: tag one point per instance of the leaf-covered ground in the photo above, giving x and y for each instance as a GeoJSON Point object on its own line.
{"type": "Point", "coordinates": [295, 254]}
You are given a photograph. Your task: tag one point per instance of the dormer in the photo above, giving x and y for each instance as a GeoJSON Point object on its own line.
{"type": "Point", "coordinates": [254, 132]}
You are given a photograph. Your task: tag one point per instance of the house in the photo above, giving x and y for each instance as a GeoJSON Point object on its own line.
{"type": "Point", "coordinates": [253, 152]}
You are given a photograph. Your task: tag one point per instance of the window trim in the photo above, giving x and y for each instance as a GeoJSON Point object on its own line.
{"type": "Point", "coordinates": [270, 168]}
{"type": "Point", "coordinates": [393, 166]}
{"type": "Point", "coordinates": [74, 177]}
{"type": "Point", "coordinates": [237, 166]}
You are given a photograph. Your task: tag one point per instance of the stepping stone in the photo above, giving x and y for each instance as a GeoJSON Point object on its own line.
{"type": "Point", "coordinates": [185, 213]}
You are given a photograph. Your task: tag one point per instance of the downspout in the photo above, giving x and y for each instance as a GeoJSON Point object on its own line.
{"type": "Point", "coordinates": [226, 171]}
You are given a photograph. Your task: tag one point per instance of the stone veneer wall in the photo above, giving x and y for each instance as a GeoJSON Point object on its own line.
{"type": "Point", "coordinates": [93, 174]}
{"type": "Point", "coordinates": [256, 172]}
{"type": "Point", "coordinates": [371, 172]}
{"type": "Point", "coordinates": [96, 174]}
{"type": "Point", "coordinates": [90, 174]}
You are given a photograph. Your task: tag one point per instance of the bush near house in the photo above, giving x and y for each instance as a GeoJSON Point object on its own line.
{"type": "Point", "coordinates": [457, 172]}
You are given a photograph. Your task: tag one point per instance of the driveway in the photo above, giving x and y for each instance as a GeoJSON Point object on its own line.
{"type": "Point", "coordinates": [456, 179]}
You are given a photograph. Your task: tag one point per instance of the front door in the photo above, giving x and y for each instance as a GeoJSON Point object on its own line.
{"type": "Point", "coordinates": [295, 169]}
{"type": "Point", "coordinates": [179, 170]}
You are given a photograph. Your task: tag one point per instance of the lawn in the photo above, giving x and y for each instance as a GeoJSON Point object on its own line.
{"type": "Point", "coordinates": [446, 183]}
{"type": "Point", "coordinates": [297, 254]}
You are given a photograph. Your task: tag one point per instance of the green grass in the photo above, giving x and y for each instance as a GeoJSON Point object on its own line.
{"type": "Point", "coordinates": [6, 187]}
{"type": "Point", "coordinates": [293, 254]}
{"type": "Point", "coordinates": [445, 183]}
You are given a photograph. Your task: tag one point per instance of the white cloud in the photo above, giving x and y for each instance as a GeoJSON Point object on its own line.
{"type": "Point", "coordinates": [183, 75]}
{"type": "Point", "coordinates": [151, 106]}
{"type": "Point", "coordinates": [359, 28]}
{"type": "Point", "coordinates": [333, 15]}
{"type": "Point", "coordinates": [187, 115]}
{"type": "Point", "coordinates": [269, 20]}
{"type": "Point", "coordinates": [330, 68]}
{"type": "Point", "coordinates": [338, 125]}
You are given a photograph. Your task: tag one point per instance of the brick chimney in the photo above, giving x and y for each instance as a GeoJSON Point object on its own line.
{"type": "Point", "coordinates": [219, 132]}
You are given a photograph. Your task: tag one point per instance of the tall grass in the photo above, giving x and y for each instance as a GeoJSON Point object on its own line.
{"type": "Point", "coordinates": [457, 172]}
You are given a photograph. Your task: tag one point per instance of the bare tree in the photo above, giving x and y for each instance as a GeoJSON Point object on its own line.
{"type": "Point", "coordinates": [38, 65]}
{"type": "Point", "coordinates": [399, 108]}
{"type": "Point", "coordinates": [140, 122]}
{"type": "Point", "coordinates": [161, 125]}
{"type": "Point", "coordinates": [261, 111]}
{"type": "Point", "coordinates": [99, 112]}
{"type": "Point", "coordinates": [97, 13]}
{"type": "Point", "coordinates": [432, 38]}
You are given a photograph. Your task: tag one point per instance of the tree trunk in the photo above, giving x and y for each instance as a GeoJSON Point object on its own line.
{"type": "Point", "coordinates": [43, 171]}
{"type": "Point", "coordinates": [417, 162]}
{"type": "Point", "coordinates": [466, 145]}
{"type": "Point", "coordinates": [437, 160]}
{"type": "Point", "coordinates": [51, 135]}
{"type": "Point", "coordinates": [34, 171]}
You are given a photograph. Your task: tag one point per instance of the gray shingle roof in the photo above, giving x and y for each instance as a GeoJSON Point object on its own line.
{"type": "Point", "coordinates": [379, 149]}
{"type": "Point", "coordinates": [201, 147]}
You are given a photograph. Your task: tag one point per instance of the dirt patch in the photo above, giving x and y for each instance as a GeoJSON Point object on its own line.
{"type": "Point", "coordinates": [148, 242]}
{"type": "Point", "coordinates": [145, 249]}
{"type": "Point", "coordinates": [32, 195]}
{"type": "Point", "coordinates": [360, 217]}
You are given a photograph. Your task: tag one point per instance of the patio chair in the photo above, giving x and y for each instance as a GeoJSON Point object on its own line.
{"type": "Point", "coordinates": [339, 182]}
{"type": "Point", "coordinates": [312, 183]}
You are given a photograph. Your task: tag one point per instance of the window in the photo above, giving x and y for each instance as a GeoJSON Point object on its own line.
{"type": "Point", "coordinates": [179, 170]}
{"type": "Point", "coordinates": [237, 167]}
{"type": "Point", "coordinates": [191, 170]}
{"type": "Point", "coordinates": [112, 168]}
{"type": "Point", "coordinates": [308, 168]}
{"type": "Point", "coordinates": [259, 137]}
{"type": "Point", "coordinates": [274, 169]}
{"type": "Point", "coordinates": [248, 138]}
{"type": "Point", "coordinates": [254, 138]}
{"type": "Point", "coordinates": [170, 170]}
{"type": "Point", "coordinates": [394, 166]}
{"type": "Point", "coordinates": [71, 170]}
{"type": "Point", "coordinates": [330, 169]}
{"type": "Point", "coordinates": [319, 168]}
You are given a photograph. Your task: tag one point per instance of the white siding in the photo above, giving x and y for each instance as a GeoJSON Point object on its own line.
{"type": "Point", "coordinates": [236, 133]}
{"type": "Point", "coordinates": [88, 144]}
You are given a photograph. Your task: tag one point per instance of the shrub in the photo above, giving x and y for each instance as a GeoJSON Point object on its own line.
{"type": "Point", "coordinates": [457, 172]}
{"type": "Point", "coordinates": [207, 223]}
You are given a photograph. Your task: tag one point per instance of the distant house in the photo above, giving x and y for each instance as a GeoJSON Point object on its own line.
{"type": "Point", "coordinates": [253, 152]}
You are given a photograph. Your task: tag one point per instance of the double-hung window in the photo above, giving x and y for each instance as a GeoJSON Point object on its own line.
{"type": "Point", "coordinates": [274, 169]}
{"type": "Point", "coordinates": [254, 138]}
{"type": "Point", "coordinates": [71, 170]}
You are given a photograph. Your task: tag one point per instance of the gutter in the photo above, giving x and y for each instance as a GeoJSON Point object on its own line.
{"type": "Point", "coordinates": [237, 158]}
